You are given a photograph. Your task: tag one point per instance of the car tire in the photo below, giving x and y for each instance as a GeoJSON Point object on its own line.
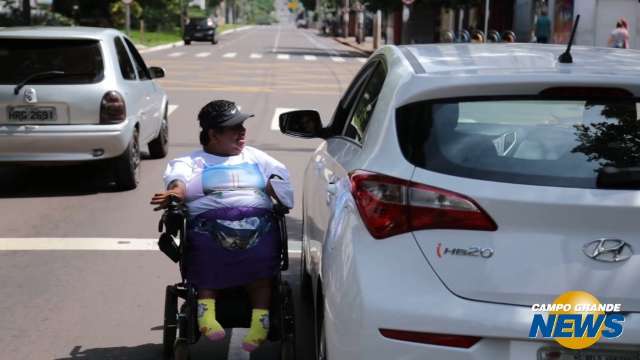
{"type": "Point", "coordinates": [305, 278]}
{"type": "Point", "coordinates": [187, 42]}
{"type": "Point", "coordinates": [214, 40]}
{"type": "Point", "coordinates": [159, 147]}
{"type": "Point", "coordinates": [127, 165]}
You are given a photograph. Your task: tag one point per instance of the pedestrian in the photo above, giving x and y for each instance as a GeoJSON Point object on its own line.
{"type": "Point", "coordinates": [543, 28]}
{"type": "Point", "coordinates": [619, 37]}
{"type": "Point", "coordinates": [227, 188]}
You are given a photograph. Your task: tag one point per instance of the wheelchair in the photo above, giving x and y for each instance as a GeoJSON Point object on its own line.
{"type": "Point", "coordinates": [233, 306]}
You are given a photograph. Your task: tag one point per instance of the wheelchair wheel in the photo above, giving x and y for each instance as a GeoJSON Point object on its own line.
{"type": "Point", "coordinates": [288, 324]}
{"type": "Point", "coordinates": [170, 322]}
{"type": "Point", "coordinates": [181, 350]}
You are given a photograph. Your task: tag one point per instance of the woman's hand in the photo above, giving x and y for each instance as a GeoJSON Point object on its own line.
{"type": "Point", "coordinates": [176, 189]}
{"type": "Point", "coordinates": [162, 199]}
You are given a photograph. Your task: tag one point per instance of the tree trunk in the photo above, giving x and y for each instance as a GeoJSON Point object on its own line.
{"type": "Point", "coordinates": [26, 12]}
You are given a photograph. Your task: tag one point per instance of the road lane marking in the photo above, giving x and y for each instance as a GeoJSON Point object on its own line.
{"type": "Point", "coordinates": [104, 244]}
{"type": "Point", "coordinates": [275, 45]}
{"type": "Point", "coordinates": [275, 122]}
{"type": "Point", "coordinates": [203, 54]}
{"type": "Point", "coordinates": [256, 56]}
{"type": "Point", "coordinates": [230, 55]}
{"type": "Point", "coordinates": [171, 109]}
{"type": "Point", "coordinates": [283, 56]}
{"type": "Point", "coordinates": [362, 60]}
{"type": "Point", "coordinates": [337, 59]}
{"type": "Point", "coordinates": [176, 54]}
{"type": "Point", "coordinates": [310, 57]}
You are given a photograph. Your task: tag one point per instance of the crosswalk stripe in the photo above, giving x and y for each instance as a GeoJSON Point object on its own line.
{"type": "Point", "coordinates": [283, 56]}
{"type": "Point", "coordinates": [362, 60]}
{"type": "Point", "coordinates": [105, 244]}
{"type": "Point", "coordinates": [256, 56]}
{"type": "Point", "coordinates": [229, 55]}
{"type": "Point", "coordinates": [337, 59]}
{"type": "Point", "coordinates": [171, 109]}
{"type": "Point", "coordinates": [310, 57]}
{"type": "Point", "coordinates": [176, 54]}
{"type": "Point", "coordinates": [203, 54]}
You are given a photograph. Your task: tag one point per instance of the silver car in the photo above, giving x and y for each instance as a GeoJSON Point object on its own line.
{"type": "Point", "coordinates": [79, 94]}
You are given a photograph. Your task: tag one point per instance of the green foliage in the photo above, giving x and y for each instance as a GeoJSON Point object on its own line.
{"type": "Point", "coordinates": [161, 15]}
{"type": "Point", "coordinates": [196, 11]}
{"type": "Point", "coordinates": [119, 12]}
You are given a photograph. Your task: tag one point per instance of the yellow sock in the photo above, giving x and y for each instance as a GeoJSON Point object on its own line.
{"type": "Point", "coordinates": [207, 322]}
{"type": "Point", "coordinates": [258, 331]}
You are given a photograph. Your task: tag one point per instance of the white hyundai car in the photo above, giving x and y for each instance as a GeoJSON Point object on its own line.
{"type": "Point", "coordinates": [79, 94]}
{"type": "Point", "coordinates": [458, 185]}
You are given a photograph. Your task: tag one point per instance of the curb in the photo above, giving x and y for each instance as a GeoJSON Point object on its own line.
{"type": "Point", "coordinates": [181, 43]}
{"type": "Point", "coordinates": [364, 51]}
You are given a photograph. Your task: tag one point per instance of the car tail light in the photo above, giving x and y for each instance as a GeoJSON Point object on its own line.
{"type": "Point", "coordinates": [458, 341]}
{"type": "Point", "coordinates": [390, 206]}
{"type": "Point", "coordinates": [112, 108]}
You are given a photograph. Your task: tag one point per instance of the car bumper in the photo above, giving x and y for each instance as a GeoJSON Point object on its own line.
{"type": "Point", "coordinates": [373, 284]}
{"type": "Point", "coordinates": [200, 37]}
{"type": "Point", "coordinates": [62, 143]}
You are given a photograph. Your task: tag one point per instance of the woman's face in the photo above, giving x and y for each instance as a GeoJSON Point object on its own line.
{"type": "Point", "coordinates": [228, 141]}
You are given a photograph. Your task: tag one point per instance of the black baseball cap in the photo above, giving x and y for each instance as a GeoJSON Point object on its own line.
{"type": "Point", "coordinates": [221, 113]}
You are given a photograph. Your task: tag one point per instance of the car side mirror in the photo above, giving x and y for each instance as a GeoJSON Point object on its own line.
{"type": "Point", "coordinates": [156, 72]}
{"type": "Point", "coordinates": [301, 123]}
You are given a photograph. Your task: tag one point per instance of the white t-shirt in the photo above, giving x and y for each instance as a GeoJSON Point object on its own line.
{"type": "Point", "coordinates": [215, 182]}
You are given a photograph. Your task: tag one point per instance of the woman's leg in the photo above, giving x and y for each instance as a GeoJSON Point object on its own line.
{"type": "Point", "coordinates": [207, 322]}
{"type": "Point", "coordinates": [260, 294]}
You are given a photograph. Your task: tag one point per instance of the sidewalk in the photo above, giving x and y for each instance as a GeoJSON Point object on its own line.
{"type": "Point", "coordinates": [365, 47]}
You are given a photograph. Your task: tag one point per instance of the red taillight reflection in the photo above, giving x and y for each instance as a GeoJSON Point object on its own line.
{"type": "Point", "coordinates": [458, 341]}
{"type": "Point", "coordinates": [391, 206]}
{"type": "Point", "coordinates": [112, 108]}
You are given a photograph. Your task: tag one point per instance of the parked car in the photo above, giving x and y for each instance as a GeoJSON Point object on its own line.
{"type": "Point", "coordinates": [77, 94]}
{"type": "Point", "coordinates": [459, 184]}
{"type": "Point", "coordinates": [200, 29]}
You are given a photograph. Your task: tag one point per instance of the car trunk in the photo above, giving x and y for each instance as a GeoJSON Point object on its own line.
{"type": "Point", "coordinates": [558, 178]}
{"type": "Point", "coordinates": [538, 248]}
{"type": "Point", "coordinates": [50, 81]}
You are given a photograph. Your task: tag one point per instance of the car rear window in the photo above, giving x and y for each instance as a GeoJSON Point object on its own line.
{"type": "Point", "coordinates": [566, 143]}
{"type": "Point", "coordinates": [199, 22]}
{"type": "Point", "coordinates": [81, 60]}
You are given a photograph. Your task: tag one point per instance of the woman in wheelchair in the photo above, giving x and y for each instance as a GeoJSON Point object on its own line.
{"type": "Point", "coordinates": [228, 188]}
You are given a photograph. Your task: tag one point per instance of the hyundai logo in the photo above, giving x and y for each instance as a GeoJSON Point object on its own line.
{"type": "Point", "coordinates": [30, 96]}
{"type": "Point", "coordinates": [608, 250]}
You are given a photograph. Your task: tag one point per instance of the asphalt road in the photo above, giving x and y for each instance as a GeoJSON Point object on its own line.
{"type": "Point", "coordinates": [83, 280]}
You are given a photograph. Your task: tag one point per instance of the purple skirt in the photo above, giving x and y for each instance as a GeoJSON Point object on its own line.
{"type": "Point", "coordinates": [216, 261]}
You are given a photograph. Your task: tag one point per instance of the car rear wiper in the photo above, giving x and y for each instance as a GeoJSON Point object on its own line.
{"type": "Point", "coordinates": [610, 177]}
{"type": "Point", "coordinates": [35, 76]}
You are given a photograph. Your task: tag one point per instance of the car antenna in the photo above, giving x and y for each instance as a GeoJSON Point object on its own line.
{"type": "Point", "coordinates": [565, 57]}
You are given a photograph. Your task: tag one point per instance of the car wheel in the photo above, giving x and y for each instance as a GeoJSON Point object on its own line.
{"type": "Point", "coordinates": [127, 165]}
{"type": "Point", "coordinates": [159, 146]}
{"type": "Point", "coordinates": [214, 40]}
{"type": "Point", "coordinates": [187, 42]}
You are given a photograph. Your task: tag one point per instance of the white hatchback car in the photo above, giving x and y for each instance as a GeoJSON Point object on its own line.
{"type": "Point", "coordinates": [457, 185]}
{"type": "Point", "coordinates": [79, 94]}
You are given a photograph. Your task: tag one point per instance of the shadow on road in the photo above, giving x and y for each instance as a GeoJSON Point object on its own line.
{"type": "Point", "coordinates": [49, 181]}
{"type": "Point", "coordinates": [140, 352]}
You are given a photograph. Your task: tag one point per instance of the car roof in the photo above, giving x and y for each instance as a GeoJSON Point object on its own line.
{"type": "Point", "coordinates": [518, 58]}
{"type": "Point", "coordinates": [59, 32]}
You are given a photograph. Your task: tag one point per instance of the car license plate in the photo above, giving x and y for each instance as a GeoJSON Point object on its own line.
{"type": "Point", "coordinates": [31, 113]}
{"type": "Point", "coordinates": [566, 354]}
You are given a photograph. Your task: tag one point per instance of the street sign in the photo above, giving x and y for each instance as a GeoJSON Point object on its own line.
{"type": "Point", "coordinates": [127, 2]}
{"type": "Point", "coordinates": [408, 2]}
